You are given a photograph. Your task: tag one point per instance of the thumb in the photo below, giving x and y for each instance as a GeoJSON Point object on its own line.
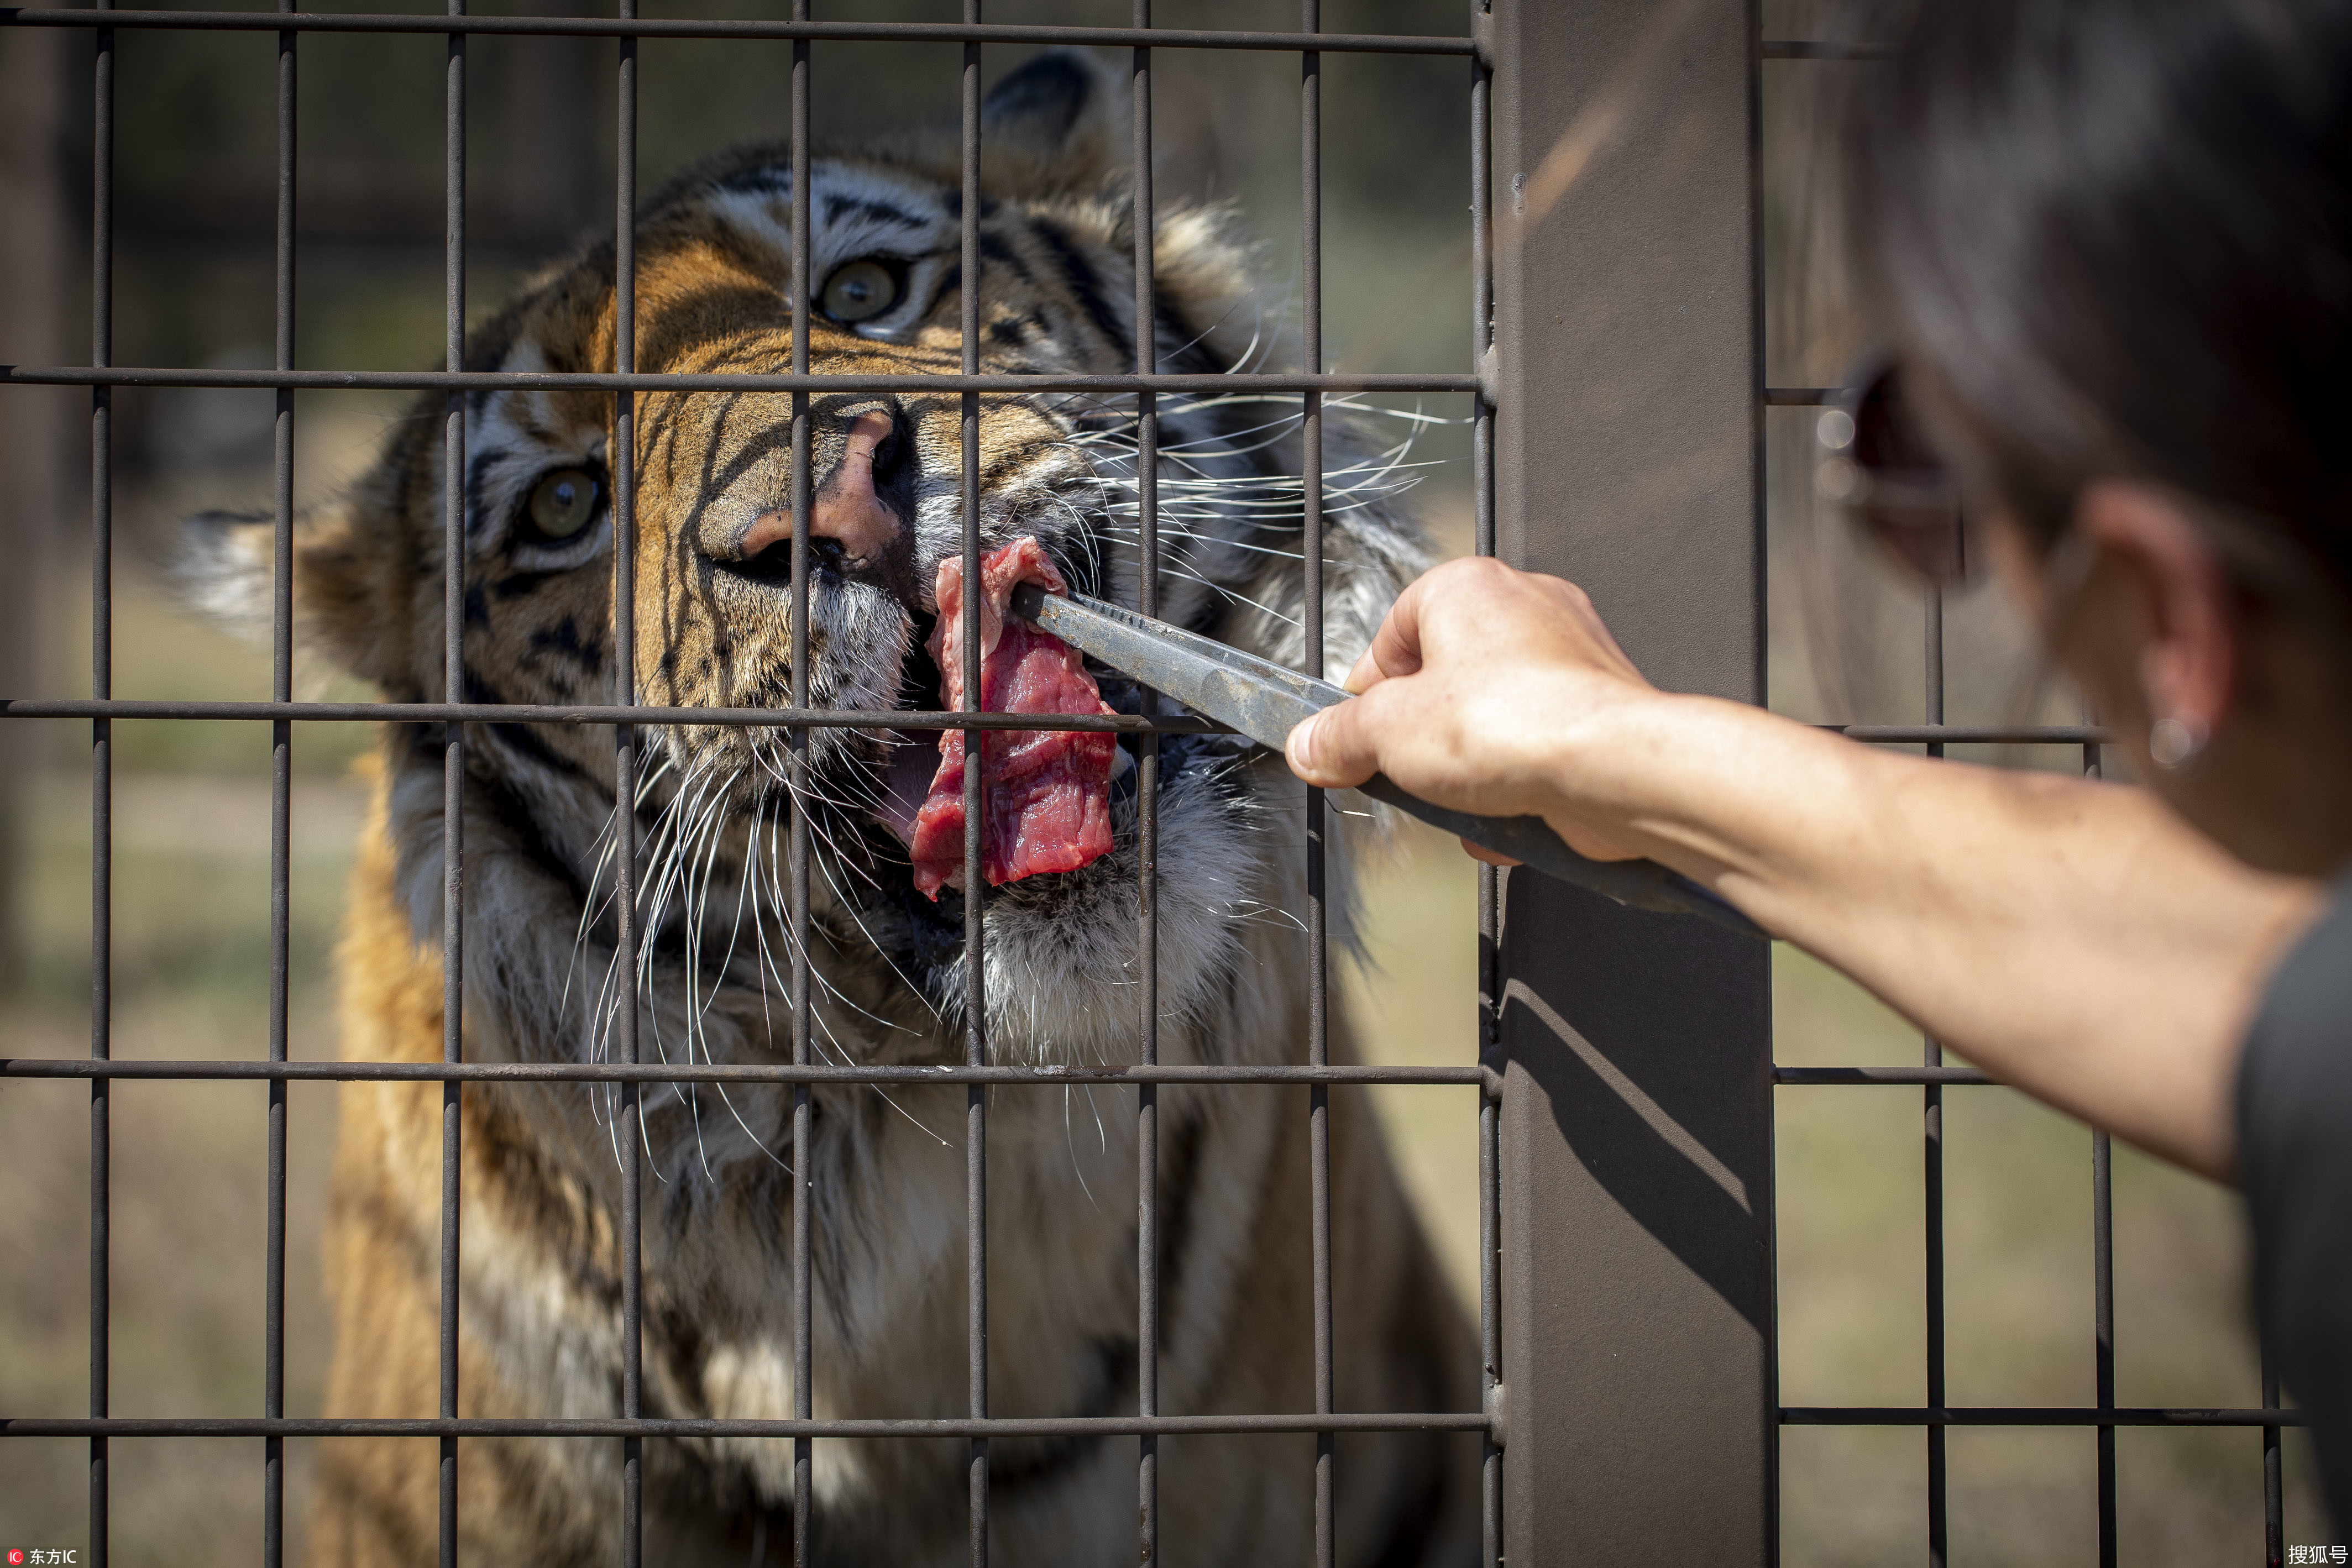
{"type": "Point", "coordinates": [1332, 748]}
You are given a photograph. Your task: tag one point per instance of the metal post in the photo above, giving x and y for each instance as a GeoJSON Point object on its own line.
{"type": "Point", "coordinates": [1636, 1125]}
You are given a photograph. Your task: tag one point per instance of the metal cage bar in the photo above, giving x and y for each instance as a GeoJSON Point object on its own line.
{"type": "Point", "coordinates": [856, 719]}
{"type": "Point", "coordinates": [529, 380]}
{"type": "Point", "coordinates": [1146, 336]}
{"type": "Point", "coordinates": [1932, 1156]}
{"type": "Point", "coordinates": [2273, 1508]}
{"type": "Point", "coordinates": [1464, 1421]}
{"type": "Point", "coordinates": [797, 845]}
{"type": "Point", "coordinates": [1310, 551]}
{"type": "Point", "coordinates": [629, 1109]}
{"type": "Point", "coordinates": [101, 763]}
{"type": "Point", "coordinates": [747, 1073]}
{"type": "Point", "coordinates": [2035, 1415]}
{"type": "Point", "coordinates": [976, 884]}
{"type": "Point", "coordinates": [2103, 1299]}
{"type": "Point", "coordinates": [1489, 998]}
{"type": "Point", "coordinates": [2102, 1330]}
{"type": "Point", "coordinates": [453, 774]}
{"type": "Point", "coordinates": [977, 1429]}
{"type": "Point", "coordinates": [591, 713]}
{"type": "Point", "coordinates": [281, 779]}
{"type": "Point", "coordinates": [967, 32]}
{"type": "Point", "coordinates": [1932, 1170]}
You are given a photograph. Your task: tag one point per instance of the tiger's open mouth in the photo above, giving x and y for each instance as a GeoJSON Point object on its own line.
{"type": "Point", "coordinates": [1046, 793]}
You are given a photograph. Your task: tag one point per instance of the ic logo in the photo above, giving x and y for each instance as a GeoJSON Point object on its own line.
{"type": "Point", "coordinates": [16, 1558]}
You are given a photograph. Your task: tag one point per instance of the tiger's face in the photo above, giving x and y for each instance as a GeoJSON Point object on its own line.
{"type": "Point", "coordinates": [712, 611]}
{"type": "Point", "coordinates": [727, 1163]}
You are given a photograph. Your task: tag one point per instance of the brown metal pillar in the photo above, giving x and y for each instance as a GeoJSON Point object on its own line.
{"type": "Point", "coordinates": [1637, 1204]}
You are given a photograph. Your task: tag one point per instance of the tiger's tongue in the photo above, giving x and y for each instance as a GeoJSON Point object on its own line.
{"type": "Point", "coordinates": [1046, 793]}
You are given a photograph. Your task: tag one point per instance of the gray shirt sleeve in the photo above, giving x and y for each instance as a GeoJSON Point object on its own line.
{"type": "Point", "coordinates": [2295, 1140]}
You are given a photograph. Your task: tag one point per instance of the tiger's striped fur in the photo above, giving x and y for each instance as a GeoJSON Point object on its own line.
{"type": "Point", "coordinates": [539, 1294]}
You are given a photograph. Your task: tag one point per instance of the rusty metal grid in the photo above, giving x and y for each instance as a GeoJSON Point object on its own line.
{"type": "Point", "coordinates": [631, 1425]}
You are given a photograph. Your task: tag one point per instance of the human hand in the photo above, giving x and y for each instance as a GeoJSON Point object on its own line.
{"type": "Point", "coordinates": [1473, 695]}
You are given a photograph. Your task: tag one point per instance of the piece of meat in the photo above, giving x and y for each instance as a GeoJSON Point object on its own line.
{"type": "Point", "coordinates": [1046, 793]}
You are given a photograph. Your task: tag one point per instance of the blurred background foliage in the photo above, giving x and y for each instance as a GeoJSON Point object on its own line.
{"type": "Point", "coordinates": [197, 156]}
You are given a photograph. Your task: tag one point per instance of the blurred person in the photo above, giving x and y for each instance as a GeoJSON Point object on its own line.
{"type": "Point", "coordinates": [2110, 242]}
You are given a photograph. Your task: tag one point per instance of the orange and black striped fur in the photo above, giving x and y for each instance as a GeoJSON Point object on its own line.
{"type": "Point", "coordinates": [540, 1319]}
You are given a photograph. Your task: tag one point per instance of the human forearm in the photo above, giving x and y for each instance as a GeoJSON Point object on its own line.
{"type": "Point", "coordinates": [2074, 938]}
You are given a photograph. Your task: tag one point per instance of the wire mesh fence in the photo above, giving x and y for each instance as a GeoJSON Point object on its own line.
{"type": "Point", "coordinates": [630, 1077]}
{"type": "Point", "coordinates": [2037, 745]}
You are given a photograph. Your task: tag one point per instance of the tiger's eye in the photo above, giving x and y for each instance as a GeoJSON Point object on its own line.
{"type": "Point", "coordinates": [859, 291]}
{"type": "Point", "coordinates": [563, 503]}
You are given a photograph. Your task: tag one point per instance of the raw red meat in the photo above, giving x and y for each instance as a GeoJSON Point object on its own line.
{"type": "Point", "coordinates": [1046, 793]}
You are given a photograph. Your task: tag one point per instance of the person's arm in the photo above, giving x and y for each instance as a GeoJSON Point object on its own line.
{"type": "Point", "coordinates": [2074, 939]}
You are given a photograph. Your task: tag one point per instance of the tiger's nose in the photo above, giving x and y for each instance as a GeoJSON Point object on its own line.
{"type": "Point", "coordinates": [847, 507]}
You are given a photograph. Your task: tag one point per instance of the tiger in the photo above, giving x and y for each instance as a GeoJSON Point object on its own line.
{"type": "Point", "coordinates": [540, 1319]}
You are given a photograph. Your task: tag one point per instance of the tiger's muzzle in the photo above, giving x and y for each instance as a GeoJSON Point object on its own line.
{"type": "Point", "coordinates": [861, 514]}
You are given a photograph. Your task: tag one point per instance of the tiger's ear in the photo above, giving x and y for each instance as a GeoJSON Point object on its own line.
{"type": "Point", "coordinates": [1054, 125]}
{"type": "Point", "coordinates": [350, 592]}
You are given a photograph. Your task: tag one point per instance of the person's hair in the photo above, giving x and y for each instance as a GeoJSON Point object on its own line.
{"type": "Point", "coordinates": [2116, 237]}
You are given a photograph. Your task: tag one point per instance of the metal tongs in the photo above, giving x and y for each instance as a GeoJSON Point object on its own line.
{"type": "Point", "coordinates": [1263, 700]}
